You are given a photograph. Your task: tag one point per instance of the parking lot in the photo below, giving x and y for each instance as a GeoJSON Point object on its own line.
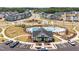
{"type": "Point", "coordinates": [66, 45]}
{"type": "Point", "coordinates": [19, 47]}
{"type": "Point", "coordinates": [26, 47]}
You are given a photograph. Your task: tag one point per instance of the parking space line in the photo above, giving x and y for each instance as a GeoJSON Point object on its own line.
{"type": "Point", "coordinates": [53, 46]}
{"type": "Point", "coordinates": [68, 45]}
{"type": "Point", "coordinates": [64, 45]}
{"type": "Point", "coordinates": [58, 46]}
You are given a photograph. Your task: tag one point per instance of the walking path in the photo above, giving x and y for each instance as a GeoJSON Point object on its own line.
{"type": "Point", "coordinates": [76, 37]}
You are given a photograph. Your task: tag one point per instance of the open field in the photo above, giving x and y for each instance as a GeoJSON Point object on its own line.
{"type": "Point", "coordinates": [56, 39]}
{"type": "Point", "coordinates": [13, 31]}
{"type": "Point", "coordinates": [24, 39]}
{"type": "Point", "coordinates": [66, 24]}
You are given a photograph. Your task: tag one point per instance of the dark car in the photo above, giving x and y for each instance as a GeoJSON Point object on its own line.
{"type": "Point", "coordinates": [14, 44]}
{"type": "Point", "coordinates": [8, 42]}
{"type": "Point", "coordinates": [72, 43]}
{"type": "Point", "coordinates": [38, 48]}
{"type": "Point", "coordinates": [43, 49]}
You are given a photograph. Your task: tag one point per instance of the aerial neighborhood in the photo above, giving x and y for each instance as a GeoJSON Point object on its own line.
{"type": "Point", "coordinates": [72, 15]}
{"type": "Point", "coordinates": [39, 29]}
{"type": "Point", "coordinates": [13, 16]}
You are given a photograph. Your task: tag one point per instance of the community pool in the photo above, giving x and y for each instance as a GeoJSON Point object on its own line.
{"type": "Point", "coordinates": [53, 29]}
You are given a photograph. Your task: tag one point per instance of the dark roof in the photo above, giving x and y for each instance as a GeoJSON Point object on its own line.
{"type": "Point", "coordinates": [42, 30]}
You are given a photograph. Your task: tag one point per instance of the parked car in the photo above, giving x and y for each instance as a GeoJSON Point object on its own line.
{"type": "Point", "coordinates": [14, 44]}
{"type": "Point", "coordinates": [38, 48]}
{"type": "Point", "coordinates": [8, 42]}
{"type": "Point", "coordinates": [72, 43]}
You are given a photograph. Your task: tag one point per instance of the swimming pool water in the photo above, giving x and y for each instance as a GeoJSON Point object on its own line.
{"type": "Point", "coordinates": [53, 29]}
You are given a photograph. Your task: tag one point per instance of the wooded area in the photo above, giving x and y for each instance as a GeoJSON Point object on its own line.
{"type": "Point", "coordinates": [47, 10]}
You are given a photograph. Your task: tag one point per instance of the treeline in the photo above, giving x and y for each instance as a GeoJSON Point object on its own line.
{"type": "Point", "coordinates": [20, 10]}
{"type": "Point", "coordinates": [47, 10]}
{"type": "Point", "coordinates": [56, 9]}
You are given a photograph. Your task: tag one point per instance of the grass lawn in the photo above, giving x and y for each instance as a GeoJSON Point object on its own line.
{"type": "Point", "coordinates": [1, 35]}
{"type": "Point", "coordinates": [13, 31]}
{"type": "Point", "coordinates": [0, 29]}
{"type": "Point", "coordinates": [56, 39]}
{"type": "Point", "coordinates": [24, 39]}
{"type": "Point", "coordinates": [77, 40]}
{"type": "Point", "coordinates": [67, 24]}
{"type": "Point", "coordinates": [2, 39]}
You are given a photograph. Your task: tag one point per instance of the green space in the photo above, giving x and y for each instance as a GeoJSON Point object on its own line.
{"type": "Point", "coordinates": [24, 39]}
{"type": "Point", "coordinates": [2, 39]}
{"type": "Point", "coordinates": [0, 29]}
{"type": "Point", "coordinates": [56, 39]}
{"type": "Point", "coordinates": [13, 31]}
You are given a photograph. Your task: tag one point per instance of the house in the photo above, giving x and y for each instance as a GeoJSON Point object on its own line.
{"type": "Point", "coordinates": [13, 16]}
{"type": "Point", "coordinates": [42, 35]}
{"type": "Point", "coordinates": [1, 16]}
{"type": "Point", "coordinates": [68, 16]}
{"type": "Point", "coordinates": [44, 15]}
{"type": "Point", "coordinates": [54, 16]}
{"type": "Point", "coordinates": [71, 16]}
